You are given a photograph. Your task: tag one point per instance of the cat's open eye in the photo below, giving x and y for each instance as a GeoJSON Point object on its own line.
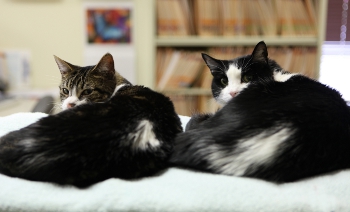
{"type": "Point", "coordinates": [87, 92]}
{"type": "Point", "coordinates": [247, 78]}
{"type": "Point", "coordinates": [65, 91]}
{"type": "Point", "coordinates": [224, 81]}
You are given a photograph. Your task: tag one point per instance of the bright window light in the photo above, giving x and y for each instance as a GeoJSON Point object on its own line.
{"type": "Point", "coordinates": [335, 67]}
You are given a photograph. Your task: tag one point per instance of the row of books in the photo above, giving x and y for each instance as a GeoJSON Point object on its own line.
{"type": "Point", "coordinates": [236, 17]}
{"type": "Point", "coordinates": [180, 68]}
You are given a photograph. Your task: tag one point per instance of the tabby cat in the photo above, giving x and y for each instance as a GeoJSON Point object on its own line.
{"type": "Point", "coordinates": [274, 125]}
{"type": "Point", "coordinates": [80, 85]}
{"type": "Point", "coordinates": [128, 136]}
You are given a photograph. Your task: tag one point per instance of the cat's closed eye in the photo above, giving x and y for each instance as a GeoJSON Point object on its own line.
{"type": "Point", "coordinates": [87, 92]}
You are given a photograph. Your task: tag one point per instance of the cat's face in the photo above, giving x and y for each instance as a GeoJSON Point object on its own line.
{"type": "Point", "coordinates": [80, 85]}
{"type": "Point", "coordinates": [230, 77]}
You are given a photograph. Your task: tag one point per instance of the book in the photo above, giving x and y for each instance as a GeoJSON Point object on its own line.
{"type": "Point", "coordinates": [237, 17]}
{"type": "Point", "coordinates": [207, 16]}
{"type": "Point", "coordinates": [181, 69]}
{"type": "Point", "coordinates": [170, 68]}
{"type": "Point", "coordinates": [172, 19]}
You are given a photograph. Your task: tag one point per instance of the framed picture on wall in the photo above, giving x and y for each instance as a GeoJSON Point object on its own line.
{"type": "Point", "coordinates": [108, 23]}
{"type": "Point", "coordinates": [108, 28]}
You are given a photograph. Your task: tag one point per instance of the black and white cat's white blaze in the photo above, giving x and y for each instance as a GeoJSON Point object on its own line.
{"type": "Point", "coordinates": [230, 77]}
{"type": "Point", "coordinates": [80, 85]}
{"type": "Point", "coordinates": [280, 127]}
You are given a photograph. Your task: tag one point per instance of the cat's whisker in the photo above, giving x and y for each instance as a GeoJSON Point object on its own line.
{"type": "Point", "coordinates": [223, 64]}
{"type": "Point", "coordinates": [237, 139]}
{"type": "Point", "coordinates": [247, 66]}
{"type": "Point", "coordinates": [52, 77]}
{"type": "Point", "coordinates": [54, 109]}
{"type": "Point", "coordinates": [57, 105]}
{"type": "Point", "coordinates": [248, 62]}
{"type": "Point", "coordinates": [211, 65]}
{"type": "Point", "coordinates": [243, 61]}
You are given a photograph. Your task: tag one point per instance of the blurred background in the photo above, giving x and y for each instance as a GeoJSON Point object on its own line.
{"type": "Point", "coordinates": [157, 43]}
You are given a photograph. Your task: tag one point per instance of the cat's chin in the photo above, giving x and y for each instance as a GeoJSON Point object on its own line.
{"type": "Point", "coordinates": [223, 102]}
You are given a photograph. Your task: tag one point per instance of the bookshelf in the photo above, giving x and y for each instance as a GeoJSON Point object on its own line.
{"type": "Point", "coordinates": [146, 15]}
{"type": "Point", "coordinates": [234, 41]}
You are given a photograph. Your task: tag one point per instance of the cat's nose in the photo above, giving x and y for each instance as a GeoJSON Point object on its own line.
{"type": "Point", "coordinates": [233, 94]}
{"type": "Point", "coordinates": [70, 105]}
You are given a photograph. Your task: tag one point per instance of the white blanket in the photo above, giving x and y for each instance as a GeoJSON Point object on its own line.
{"type": "Point", "coordinates": [173, 190]}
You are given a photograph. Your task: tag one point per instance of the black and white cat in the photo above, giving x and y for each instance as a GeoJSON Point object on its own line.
{"type": "Point", "coordinates": [274, 125]}
{"type": "Point", "coordinates": [80, 85]}
{"type": "Point", "coordinates": [127, 136]}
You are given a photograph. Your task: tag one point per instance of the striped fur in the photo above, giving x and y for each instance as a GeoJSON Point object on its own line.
{"type": "Point", "coordinates": [129, 134]}
{"type": "Point", "coordinates": [80, 85]}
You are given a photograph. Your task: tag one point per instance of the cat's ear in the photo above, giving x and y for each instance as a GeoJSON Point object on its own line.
{"type": "Point", "coordinates": [260, 53]}
{"type": "Point", "coordinates": [64, 66]}
{"type": "Point", "coordinates": [106, 65]}
{"type": "Point", "coordinates": [213, 63]}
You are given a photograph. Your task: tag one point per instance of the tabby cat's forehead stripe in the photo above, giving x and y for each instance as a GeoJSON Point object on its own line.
{"type": "Point", "coordinates": [79, 77]}
{"type": "Point", "coordinates": [98, 84]}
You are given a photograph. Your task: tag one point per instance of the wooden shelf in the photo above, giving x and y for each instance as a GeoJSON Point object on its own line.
{"type": "Point", "coordinates": [165, 41]}
{"type": "Point", "coordinates": [146, 40]}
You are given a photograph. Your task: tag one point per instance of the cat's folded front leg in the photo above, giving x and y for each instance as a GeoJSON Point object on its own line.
{"type": "Point", "coordinates": [196, 119]}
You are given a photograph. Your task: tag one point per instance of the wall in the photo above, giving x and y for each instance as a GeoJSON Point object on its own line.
{"type": "Point", "coordinates": [45, 28]}
{"type": "Point", "coordinates": [55, 27]}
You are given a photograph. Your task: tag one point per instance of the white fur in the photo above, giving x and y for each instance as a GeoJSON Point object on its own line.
{"type": "Point", "coordinates": [257, 150]}
{"type": "Point", "coordinates": [117, 88]}
{"type": "Point", "coordinates": [39, 159]}
{"type": "Point", "coordinates": [282, 77]}
{"type": "Point", "coordinates": [26, 143]}
{"type": "Point", "coordinates": [143, 136]}
{"type": "Point", "coordinates": [234, 85]}
{"type": "Point", "coordinates": [72, 99]}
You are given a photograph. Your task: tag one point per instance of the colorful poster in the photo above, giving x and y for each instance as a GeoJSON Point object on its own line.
{"type": "Point", "coordinates": [108, 28]}
{"type": "Point", "coordinates": [108, 25]}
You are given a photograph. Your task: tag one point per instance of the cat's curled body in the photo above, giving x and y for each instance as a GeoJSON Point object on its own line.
{"type": "Point", "coordinates": [279, 127]}
{"type": "Point", "coordinates": [128, 136]}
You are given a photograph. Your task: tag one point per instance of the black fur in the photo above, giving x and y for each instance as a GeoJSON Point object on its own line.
{"type": "Point", "coordinates": [317, 117]}
{"type": "Point", "coordinates": [89, 143]}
